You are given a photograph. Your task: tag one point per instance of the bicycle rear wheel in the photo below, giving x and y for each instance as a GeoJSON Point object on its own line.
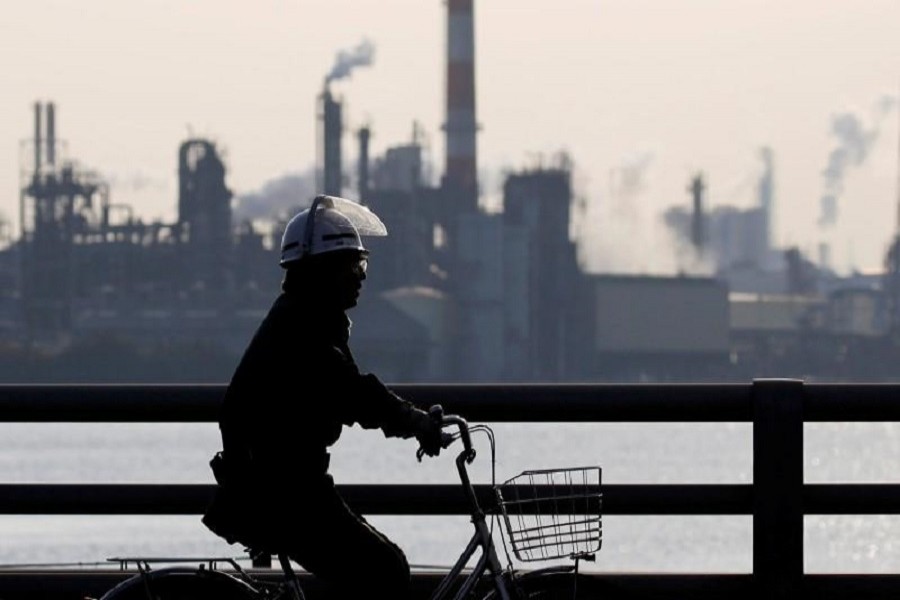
{"type": "Point", "coordinates": [181, 584]}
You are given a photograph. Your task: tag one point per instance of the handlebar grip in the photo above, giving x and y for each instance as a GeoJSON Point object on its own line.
{"type": "Point", "coordinates": [446, 440]}
{"type": "Point", "coordinates": [436, 412]}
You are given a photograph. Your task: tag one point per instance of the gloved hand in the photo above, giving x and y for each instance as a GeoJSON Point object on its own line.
{"type": "Point", "coordinates": [428, 432]}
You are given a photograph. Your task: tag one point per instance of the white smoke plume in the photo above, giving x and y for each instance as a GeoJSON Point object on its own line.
{"type": "Point", "coordinates": [630, 178]}
{"type": "Point", "coordinates": [361, 56]}
{"type": "Point", "coordinates": [854, 139]}
{"type": "Point", "coordinates": [136, 181]}
{"type": "Point", "coordinates": [277, 197]}
{"type": "Point", "coordinates": [624, 231]}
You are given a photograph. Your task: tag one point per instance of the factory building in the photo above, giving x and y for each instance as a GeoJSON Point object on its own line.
{"type": "Point", "coordinates": [734, 243]}
{"type": "Point", "coordinates": [394, 186]}
{"type": "Point", "coordinates": [90, 267]}
{"type": "Point", "coordinates": [204, 215]}
{"type": "Point", "coordinates": [658, 328]}
{"type": "Point", "coordinates": [537, 203]}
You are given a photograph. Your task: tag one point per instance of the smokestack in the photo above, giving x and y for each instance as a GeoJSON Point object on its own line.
{"type": "Point", "coordinates": [460, 126]}
{"type": "Point", "coordinates": [698, 233]}
{"type": "Point", "coordinates": [363, 167]}
{"type": "Point", "coordinates": [766, 191]}
{"type": "Point", "coordinates": [51, 134]}
{"type": "Point", "coordinates": [330, 132]}
{"type": "Point", "coordinates": [37, 137]}
{"type": "Point", "coordinates": [825, 255]}
{"type": "Point", "coordinates": [765, 185]}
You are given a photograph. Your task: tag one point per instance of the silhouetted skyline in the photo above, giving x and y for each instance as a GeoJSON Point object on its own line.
{"type": "Point", "coordinates": [697, 86]}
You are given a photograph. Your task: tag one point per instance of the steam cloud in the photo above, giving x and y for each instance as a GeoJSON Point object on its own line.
{"type": "Point", "coordinates": [854, 141]}
{"type": "Point", "coordinates": [277, 197]}
{"type": "Point", "coordinates": [136, 182]}
{"type": "Point", "coordinates": [623, 232]}
{"type": "Point", "coordinates": [347, 60]}
{"type": "Point", "coordinates": [631, 177]}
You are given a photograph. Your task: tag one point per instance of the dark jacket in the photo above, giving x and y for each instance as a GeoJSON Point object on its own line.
{"type": "Point", "coordinates": [293, 391]}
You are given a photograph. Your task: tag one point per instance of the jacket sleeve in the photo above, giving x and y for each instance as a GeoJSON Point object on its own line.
{"type": "Point", "coordinates": [362, 398]}
{"type": "Point", "coordinates": [396, 416]}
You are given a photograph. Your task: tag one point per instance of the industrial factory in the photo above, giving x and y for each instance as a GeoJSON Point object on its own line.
{"type": "Point", "coordinates": [91, 292]}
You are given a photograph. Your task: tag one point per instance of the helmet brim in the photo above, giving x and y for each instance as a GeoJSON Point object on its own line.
{"type": "Point", "coordinates": [366, 222]}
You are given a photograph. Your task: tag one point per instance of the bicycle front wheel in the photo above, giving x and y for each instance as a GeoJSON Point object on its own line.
{"type": "Point", "coordinates": [181, 584]}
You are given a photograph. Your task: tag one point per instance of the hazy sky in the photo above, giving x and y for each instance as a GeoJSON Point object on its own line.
{"type": "Point", "coordinates": [657, 89]}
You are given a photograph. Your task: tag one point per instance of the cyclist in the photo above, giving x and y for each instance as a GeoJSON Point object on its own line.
{"type": "Point", "coordinates": [293, 391]}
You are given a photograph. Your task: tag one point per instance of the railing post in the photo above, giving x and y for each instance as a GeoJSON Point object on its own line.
{"type": "Point", "coordinates": [778, 487]}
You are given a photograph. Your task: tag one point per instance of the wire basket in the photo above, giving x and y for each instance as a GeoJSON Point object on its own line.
{"type": "Point", "coordinates": [553, 513]}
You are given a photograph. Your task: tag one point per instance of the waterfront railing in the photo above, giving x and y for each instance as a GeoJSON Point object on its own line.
{"type": "Point", "coordinates": [778, 499]}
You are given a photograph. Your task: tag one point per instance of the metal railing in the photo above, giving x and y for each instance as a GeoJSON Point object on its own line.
{"type": "Point", "coordinates": [777, 499]}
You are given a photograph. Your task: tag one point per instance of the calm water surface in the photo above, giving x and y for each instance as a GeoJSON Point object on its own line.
{"type": "Point", "coordinates": [629, 453]}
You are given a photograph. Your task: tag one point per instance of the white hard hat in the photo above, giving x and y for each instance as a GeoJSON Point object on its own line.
{"type": "Point", "coordinates": [336, 224]}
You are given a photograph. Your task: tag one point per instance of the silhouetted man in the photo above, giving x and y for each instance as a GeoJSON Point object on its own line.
{"type": "Point", "coordinates": [296, 387]}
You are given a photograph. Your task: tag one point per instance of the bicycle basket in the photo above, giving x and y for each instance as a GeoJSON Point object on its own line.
{"type": "Point", "coordinates": [552, 513]}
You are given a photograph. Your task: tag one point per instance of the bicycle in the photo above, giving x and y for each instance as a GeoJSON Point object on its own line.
{"type": "Point", "coordinates": [548, 514]}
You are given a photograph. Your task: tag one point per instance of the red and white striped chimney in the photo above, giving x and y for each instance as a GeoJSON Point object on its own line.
{"type": "Point", "coordinates": [460, 127]}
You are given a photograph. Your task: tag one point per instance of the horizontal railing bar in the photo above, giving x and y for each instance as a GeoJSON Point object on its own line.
{"type": "Point", "coordinates": [101, 403]}
{"type": "Point", "coordinates": [478, 402]}
{"type": "Point", "coordinates": [445, 499]}
{"type": "Point", "coordinates": [851, 402]}
{"type": "Point", "coordinates": [384, 499]}
{"type": "Point", "coordinates": [851, 499]}
{"type": "Point", "coordinates": [589, 402]}
{"type": "Point", "coordinates": [170, 403]}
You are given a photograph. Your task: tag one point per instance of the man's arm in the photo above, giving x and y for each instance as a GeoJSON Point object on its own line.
{"type": "Point", "coordinates": [367, 401]}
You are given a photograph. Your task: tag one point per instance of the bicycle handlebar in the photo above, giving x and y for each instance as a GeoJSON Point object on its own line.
{"type": "Point", "coordinates": [437, 413]}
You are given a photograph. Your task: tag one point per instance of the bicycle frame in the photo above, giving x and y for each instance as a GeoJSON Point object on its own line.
{"type": "Point", "coordinates": [488, 561]}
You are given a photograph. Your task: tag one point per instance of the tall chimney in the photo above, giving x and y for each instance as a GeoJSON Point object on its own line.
{"type": "Point", "coordinates": [766, 188]}
{"type": "Point", "coordinates": [51, 134]}
{"type": "Point", "coordinates": [331, 126]}
{"type": "Point", "coordinates": [698, 231]}
{"type": "Point", "coordinates": [37, 137]}
{"type": "Point", "coordinates": [362, 183]}
{"type": "Point", "coordinates": [460, 127]}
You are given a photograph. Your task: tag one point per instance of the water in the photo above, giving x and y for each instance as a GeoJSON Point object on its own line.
{"type": "Point", "coordinates": [628, 453]}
